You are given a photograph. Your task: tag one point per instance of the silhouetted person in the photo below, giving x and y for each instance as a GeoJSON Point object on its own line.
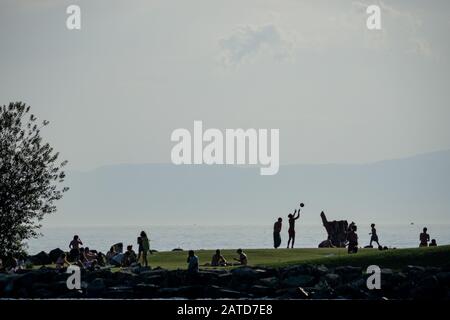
{"type": "Point", "coordinates": [352, 239]}
{"type": "Point", "coordinates": [129, 257]}
{"type": "Point", "coordinates": [424, 238]}
{"type": "Point", "coordinates": [144, 247]}
{"type": "Point", "coordinates": [277, 233]}
{"type": "Point", "coordinates": [74, 246]}
{"type": "Point", "coordinates": [192, 261]}
{"type": "Point", "coordinates": [291, 230]}
{"type": "Point", "coordinates": [75, 243]}
{"type": "Point", "coordinates": [374, 236]}
{"type": "Point", "coordinates": [218, 260]}
{"type": "Point", "coordinates": [242, 257]}
{"type": "Point", "coordinates": [433, 243]}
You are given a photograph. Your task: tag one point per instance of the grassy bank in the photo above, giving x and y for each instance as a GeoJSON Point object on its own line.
{"type": "Point", "coordinates": [395, 258]}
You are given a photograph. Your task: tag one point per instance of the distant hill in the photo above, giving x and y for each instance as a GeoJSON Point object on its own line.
{"type": "Point", "coordinates": [414, 189]}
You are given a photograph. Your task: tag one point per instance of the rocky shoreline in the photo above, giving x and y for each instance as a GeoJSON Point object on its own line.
{"type": "Point", "coordinates": [293, 282]}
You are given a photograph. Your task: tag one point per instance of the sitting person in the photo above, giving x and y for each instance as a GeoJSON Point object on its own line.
{"type": "Point", "coordinates": [433, 243]}
{"type": "Point", "coordinates": [101, 259]}
{"type": "Point", "coordinates": [192, 261]}
{"type": "Point", "coordinates": [62, 262]}
{"type": "Point", "coordinates": [90, 255]}
{"type": "Point", "coordinates": [129, 257]}
{"type": "Point", "coordinates": [218, 260]}
{"type": "Point", "coordinates": [242, 260]}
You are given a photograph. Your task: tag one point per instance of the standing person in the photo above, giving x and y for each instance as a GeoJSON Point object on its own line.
{"type": "Point", "coordinates": [145, 243]}
{"type": "Point", "coordinates": [74, 246]}
{"type": "Point", "coordinates": [352, 239]}
{"type": "Point", "coordinates": [424, 238]}
{"type": "Point", "coordinates": [193, 262]}
{"type": "Point", "coordinates": [276, 233]}
{"type": "Point", "coordinates": [374, 236]}
{"type": "Point", "coordinates": [75, 243]}
{"type": "Point", "coordinates": [291, 230]}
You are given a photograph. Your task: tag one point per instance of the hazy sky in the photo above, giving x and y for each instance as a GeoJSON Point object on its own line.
{"type": "Point", "coordinates": [116, 89]}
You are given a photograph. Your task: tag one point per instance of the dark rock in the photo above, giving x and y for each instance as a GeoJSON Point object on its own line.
{"type": "Point", "coordinates": [348, 273]}
{"type": "Point", "coordinates": [332, 278]}
{"type": "Point", "coordinates": [224, 279]}
{"type": "Point", "coordinates": [146, 290]}
{"type": "Point", "coordinates": [322, 290]}
{"type": "Point", "coordinates": [96, 287]}
{"type": "Point", "coordinates": [156, 279]}
{"type": "Point", "coordinates": [230, 294]}
{"type": "Point", "coordinates": [319, 270]}
{"type": "Point", "coordinates": [55, 254]}
{"type": "Point", "coordinates": [272, 282]}
{"type": "Point", "coordinates": [444, 278]}
{"type": "Point", "coordinates": [244, 273]}
{"type": "Point", "coordinates": [119, 292]}
{"type": "Point", "coordinates": [429, 289]}
{"type": "Point", "coordinates": [298, 281]}
{"type": "Point", "coordinates": [417, 269]}
{"type": "Point", "coordinates": [42, 258]}
{"type": "Point", "coordinates": [261, 291]}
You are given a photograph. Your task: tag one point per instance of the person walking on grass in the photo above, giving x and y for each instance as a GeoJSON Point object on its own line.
{"type": "Point", "coordinates": [374, 236]}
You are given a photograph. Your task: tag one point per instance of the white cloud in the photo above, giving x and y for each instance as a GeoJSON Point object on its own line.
{"type": "Point", "coordinates": [400, 28]}
{"type": "Point", "coordinates": [247, 42]}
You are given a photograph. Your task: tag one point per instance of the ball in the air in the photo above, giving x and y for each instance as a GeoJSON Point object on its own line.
{"type": "Point", "coordinates": [302, 205]}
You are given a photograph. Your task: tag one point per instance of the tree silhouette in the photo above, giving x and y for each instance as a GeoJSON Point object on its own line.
{"type": "Point", "coordinates": [29, 177]}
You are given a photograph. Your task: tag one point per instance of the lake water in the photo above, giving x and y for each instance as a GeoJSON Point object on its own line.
{"type": "Point", "coordinates": [225, 237]}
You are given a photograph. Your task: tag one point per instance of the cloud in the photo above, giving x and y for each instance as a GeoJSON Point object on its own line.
{"type": "Point", "coordinates": [399, 28]}
{"type": "Point", "coordinates": [247, 42]}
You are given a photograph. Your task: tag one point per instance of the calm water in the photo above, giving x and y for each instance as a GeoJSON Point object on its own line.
{"type": "Point", "coordinates": [225, 237]}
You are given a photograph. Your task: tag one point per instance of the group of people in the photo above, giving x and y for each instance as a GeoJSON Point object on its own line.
{"type": "Point", "coordinates": [425, 238]}
{"type": "Point", "coordinates": [292, 217]}
{"type": "Point", "coordinates": [352, 236]}
{"type": "Point", "coordinates": [89, 259]}
{"type": "Point", "coordinates": [217, 260]}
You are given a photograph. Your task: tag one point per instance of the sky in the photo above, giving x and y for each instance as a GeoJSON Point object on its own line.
{"type": "Point", "coordinates": [137, 70]}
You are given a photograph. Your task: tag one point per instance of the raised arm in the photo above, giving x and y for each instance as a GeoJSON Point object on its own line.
{"type": "Point", "coordinates": [298, 214]}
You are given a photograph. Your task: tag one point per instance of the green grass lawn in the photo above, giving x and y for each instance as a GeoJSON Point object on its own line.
{"type": "Point", "coordinates": [394, 258]}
